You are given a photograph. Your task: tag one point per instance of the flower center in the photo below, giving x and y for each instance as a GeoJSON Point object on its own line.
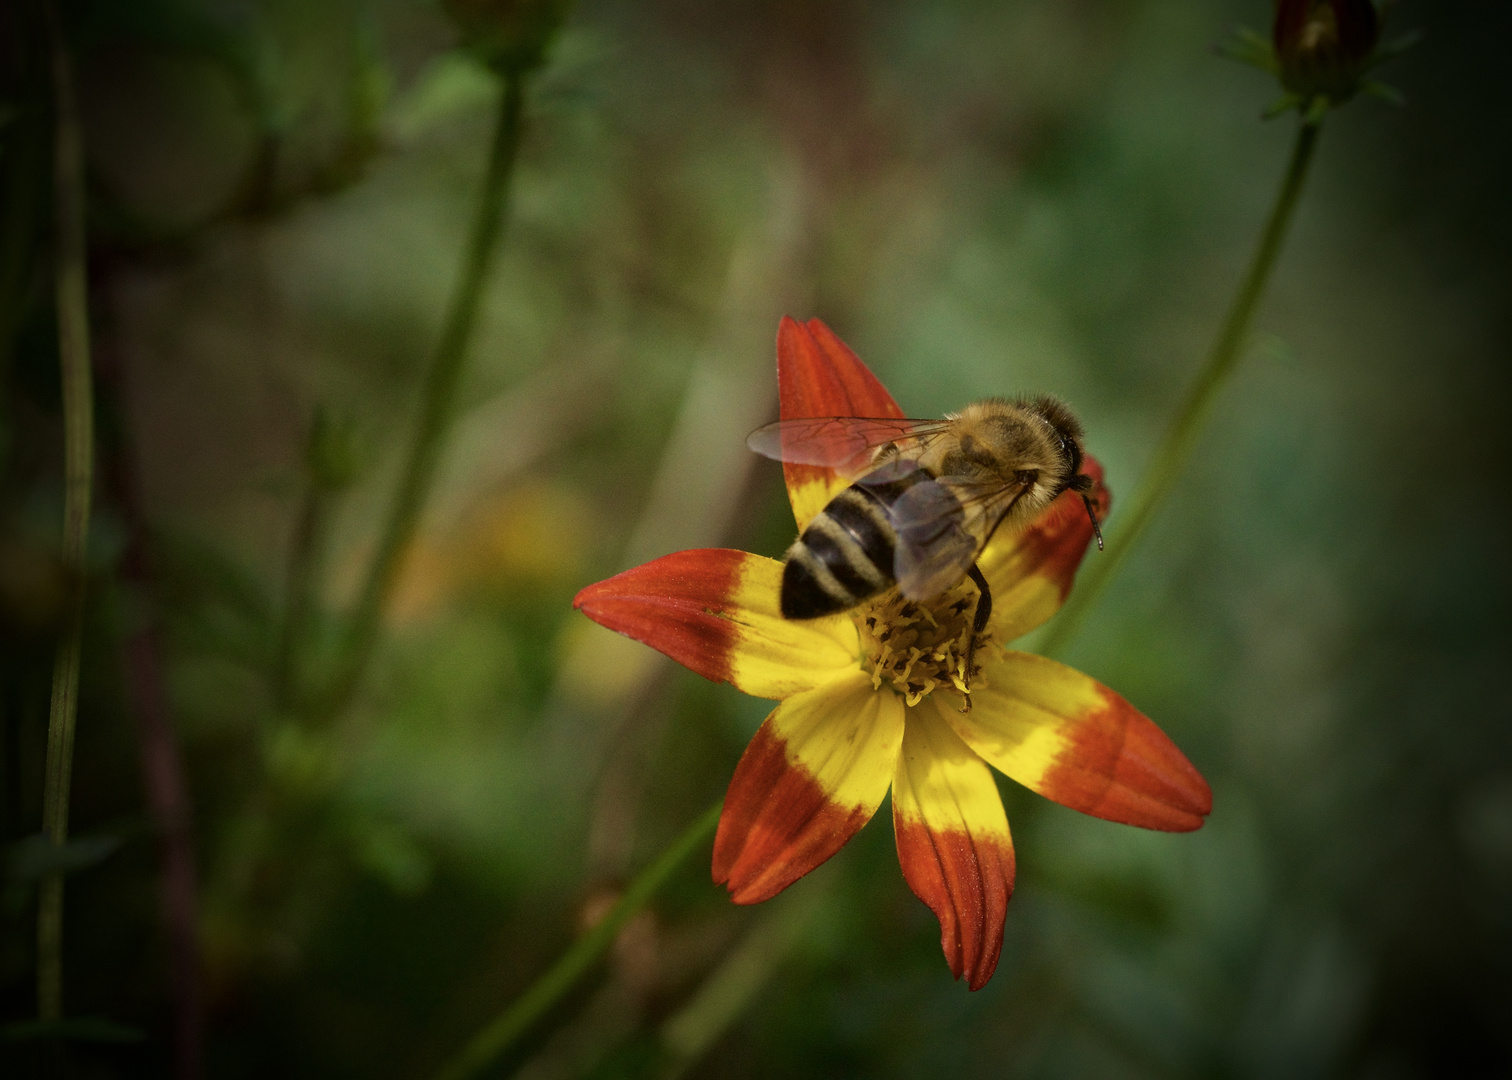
{"type": "Point", "coordinates": [922, 647]}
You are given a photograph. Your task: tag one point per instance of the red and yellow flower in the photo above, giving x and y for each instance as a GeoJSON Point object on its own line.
{"type": "Point", "coordinates": [872, 699]}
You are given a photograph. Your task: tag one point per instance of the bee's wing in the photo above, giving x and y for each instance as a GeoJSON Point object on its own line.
{"type": "Point", "coordinates": [843, 443]}
{"type": "Point", "coordinates": [942, 526]}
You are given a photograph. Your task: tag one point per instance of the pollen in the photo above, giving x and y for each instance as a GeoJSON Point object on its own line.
{"type": "Point", "coordinates": [918, 648]}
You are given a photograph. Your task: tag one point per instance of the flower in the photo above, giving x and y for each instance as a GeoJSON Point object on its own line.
{"type": "Point", "coordinates": [1323, 47]}
{"type": "Point", "coordinates": [1322, 52]}
{"type": "Point", "coordinates": [871, 699]}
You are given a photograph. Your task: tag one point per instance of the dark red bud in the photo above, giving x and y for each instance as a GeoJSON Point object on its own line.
{"type": "Point", "coordinates": [1291, 17]}
{"type": "Point", "coordinates": [1322, 46]}
{"type": "Point", "coordinates": [1359, 27]}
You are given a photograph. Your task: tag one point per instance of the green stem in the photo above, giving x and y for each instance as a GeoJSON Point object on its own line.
{"type": "Point", "coordinates": [506, 1029]}
{"type": "Point", "coordinates": [78, 455]}
{"type": "Point", "coordinates": [440, 397]}
{"type": "Point", "coordinates": [1170, 458]}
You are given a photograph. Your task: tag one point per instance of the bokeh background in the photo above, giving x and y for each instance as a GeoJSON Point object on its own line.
{"type": "Point", "coordinates": [981, 198]}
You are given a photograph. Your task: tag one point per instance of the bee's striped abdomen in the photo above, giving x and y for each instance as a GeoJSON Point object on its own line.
{"type": "Point", "coordinates": [846, 553]}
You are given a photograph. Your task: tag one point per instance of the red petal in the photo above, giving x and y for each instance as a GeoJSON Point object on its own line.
{"type": "Point", "coordinates": [1070, 738]}
{"type": "Point", "coordinates": [1121, 767]}
{"type": "Point", "coordinates": [716, 612]}
{"type": "Point", "coordinates": [967, 885]}
{"type": "Point", "coordinates": [817, 375]}
{"type": "Point", "coordinates": [777, 824]}
{"type": "Point", "coordinates": [953, 843]}
{"type": "Point", "coordinates": [815, 773]}
{"type": "Point", "coordinates": [674, 604]}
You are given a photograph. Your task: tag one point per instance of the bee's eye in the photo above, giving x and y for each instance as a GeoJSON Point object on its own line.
{"type": "Point", "coordinates": [1072, 452]}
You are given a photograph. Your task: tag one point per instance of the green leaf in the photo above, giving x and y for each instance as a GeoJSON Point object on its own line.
{"type": "Point", "coordinates": [1384, 91]}
{"type": "Point", "coordinates": [454, 85]}
{"type": "Point", "coordinates": [1395, 47]}
{"type": "Point", "coordinates": [1247, 47]}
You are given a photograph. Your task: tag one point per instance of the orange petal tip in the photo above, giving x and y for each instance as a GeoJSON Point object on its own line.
{"type": "Point", "coordinates": [967, 882]}
{"type": "Point", "coordinates": [676, 605]}
{"type": "Point", "coordinates": [818, 375]}
{"type": "Point", "coordinates": [777, 824]}
{"type": "Point", "coordinates": [1120, 766]}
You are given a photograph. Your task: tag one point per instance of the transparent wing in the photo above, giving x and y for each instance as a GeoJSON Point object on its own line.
{"type": "Point", "coordinates": [942, 526]}
{"type": "Point", "coordinates": [846, 444]}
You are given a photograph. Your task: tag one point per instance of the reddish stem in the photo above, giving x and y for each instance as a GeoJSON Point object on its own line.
{"type": "Point", "coordinates": [168, 803]}
{"type": "Point", "coordinates": [166, 790]}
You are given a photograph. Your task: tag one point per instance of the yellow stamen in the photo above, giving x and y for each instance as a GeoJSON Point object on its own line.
{"type": "Point", "coordinates": [919, 648]}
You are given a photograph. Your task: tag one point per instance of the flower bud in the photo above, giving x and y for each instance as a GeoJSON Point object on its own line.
{"type": "Point", "coordinates": [508, 35]}
{"type": "Point", "coordinates": [1323, 47]}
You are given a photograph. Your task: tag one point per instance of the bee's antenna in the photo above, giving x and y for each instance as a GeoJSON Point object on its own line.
{"type": "Point", "coordinates": [1092, 513]}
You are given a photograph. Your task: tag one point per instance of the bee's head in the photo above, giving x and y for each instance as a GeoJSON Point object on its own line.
{"type": "Point", "coordinates": [1068, 430]}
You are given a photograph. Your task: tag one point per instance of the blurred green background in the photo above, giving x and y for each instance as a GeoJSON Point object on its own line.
{"type": "Point", "coordinates": [980, 198]}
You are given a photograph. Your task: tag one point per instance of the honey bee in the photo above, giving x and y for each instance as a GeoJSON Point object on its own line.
{"type": "Point", "coordinates": [927, 496]}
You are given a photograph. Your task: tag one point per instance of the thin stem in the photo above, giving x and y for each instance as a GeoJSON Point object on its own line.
{"type": "Point", "coordinates": [1170, 458]}
{"type": "Point", "coordinates": [163, 782]}
{"type": "Point", "coordinates": [507, 1028]}
{"type": "Point", "coordinates": [168, 803]}
{"type": "Point", "coordinates": [78, 456]}
{"type": "Point", "coordinates": [440, 397]}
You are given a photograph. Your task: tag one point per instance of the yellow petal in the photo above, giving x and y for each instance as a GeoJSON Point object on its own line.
{"type": "Point", "coordinates": [953, 842]}
{"type": "Point", "coordinates": [716, 611]}
{"type": "Point", "coordinates": [810, 490]}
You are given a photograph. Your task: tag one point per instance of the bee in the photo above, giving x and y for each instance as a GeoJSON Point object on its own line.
{"type": "Point", "coordinates": [927, 496]}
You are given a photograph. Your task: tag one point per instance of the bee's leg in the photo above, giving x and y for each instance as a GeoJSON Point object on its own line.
{"type": "Point", "coordinates": [978, 622]}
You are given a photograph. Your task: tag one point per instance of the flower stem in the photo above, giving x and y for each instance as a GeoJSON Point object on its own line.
{"type": "Point", "coordinates": [501, 1033]}
{"type": "Point", "coordinates": [440, 397]}
{"type": "Point", "coordinates": [1170, 458]}
{"type": "Point", "coordinates": [78, 457]}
